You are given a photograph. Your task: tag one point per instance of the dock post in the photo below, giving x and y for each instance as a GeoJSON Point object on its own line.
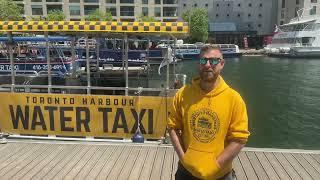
{"type": "Point", "coordinates": [10, 48]}
{"type": "Point", "coordinates": [88, 65]}
{"type": "Point", "coordinates": [48, 61]}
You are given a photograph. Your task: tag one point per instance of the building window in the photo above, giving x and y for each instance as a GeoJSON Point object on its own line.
{"type": "Point", "coordinates": [260, 4]}
{"type": "Point", "coordinates": [127, 1]}
{"type": "Point", "coordinates": [111, 1]}
{"type": "Point", "coordinates": [36, 0]}
{"type": "Point", "coordinates": [297, 2]}
{"type": "Point", "coordinates": [90, 1]}
{"type": "Point", "coordinates": [250, 4]}
{"type": "Point", "coordinates": [37, 10]}
{"type": "Point", "coordinates": [74, 1]}
{"type": "Point", "coordinates": [157, 12]}
{"type": "Point", "coordinates": [239, 15]}
{"type": "Point", "coordinates": [126, 11]}
{"type": "Point", "coordinates": [281, 22]}
{"type": "Point", "coordinates": [217, 15]}
{"type": "Point", "coordinates": [282, 14]}
{"type": "Point", "coordinates": [169, 12]}
{"type": "Point", "coordinates": [206, 5]}
{"type": "Point", "coordinates": [184, 5]}
{"type": "Point", "coordinates": [54, 8]}
{"type": "Point", "coordinates": [313, 11]}
{"type": "Point", "coordinates": [145, 11]}
{"type": "Point", "coordinates": [53, 0]}
{"type": "Point", "coordinates": [157, 1]}
{"type": "Point", "coordinates": [90, 9]}
{"type": "Point", "coordinates": [313, 1]}
{"type": "Point", "coordinates": [112, 10]}
{"type": "Point", "coordinates": [195, 5]}
{"type": "Point", "coordinates": [170, 2]}
{"type": "Point", "coordinates": [249, 25]}
{"type": "Point", "coordinates": [249, 15]}
{"type": "Point", "coordinates": [228, 5]}
{"type": "Point", "coordinates": [260, 15]}
{"type": "Point", "coordinates": [145, 2]}
{"type": "Point", "coordinates": [75, 19]}
{"type": "Point", "coordinates": [228, 15]}
{"type": "Point", "coordinates": [283, 3]}
{"type": "Point", "coordinates": [74, 10]}
{"type": "Point", "coordinates": [217, 5]}
{"type": "Point", "coordinates": [259, 25]}
{"type": "Point", "coordinates": [239, 5]}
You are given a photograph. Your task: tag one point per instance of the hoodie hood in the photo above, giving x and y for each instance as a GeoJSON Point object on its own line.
{"type": "Point", "coordinates": [222, 86]}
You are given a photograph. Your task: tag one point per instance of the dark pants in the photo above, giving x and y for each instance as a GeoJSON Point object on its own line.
{"type": "Point", "coordinates": [183, 174]}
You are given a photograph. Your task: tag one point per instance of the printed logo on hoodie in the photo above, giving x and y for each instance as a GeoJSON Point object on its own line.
{"type": "Point", "coordinates": [204, 125]}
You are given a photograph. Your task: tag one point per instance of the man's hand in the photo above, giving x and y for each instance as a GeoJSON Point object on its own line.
{"type": "Point", "coordinates": [177, 143]}
{"type": "Point", "coordinates": [229, 153]}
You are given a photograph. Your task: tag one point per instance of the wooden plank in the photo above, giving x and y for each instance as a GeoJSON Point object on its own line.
{"type": "Point", "coordinates": [167, 164]}
{"type": "Point", "coordinates": [281, 172]}
{"type": "Point", "coordinates": [158, 164]}
{"type": "Point", "coordinates": [136, 170]}
{"type": "Point", "coordinates": [91, 163]}
{"type": "Point", "coordinates": [21, 155]}
{"type": "Point", "coordinates": [239, 169]}
{"type": "Point", "coordinates": [105, 158]}
{"type": "Point", "coordinates": [148, 164]}
{"type": "Point", "coordinates": [111, 162]}
{"type": "Point", "coordinates": [267, 166]}
{"type": "Point", "coordinates": [11, 150]}
{"type": "Point", "coordinates": [287, 166]}
{"type": "Point", "coordinates": [297, 166]}
{"type": "Point", "coordinates": [37, 165]}
{"type": "Point", "coordinates": [68, 152]}
{"type": "Point", "coordinates": [260, 172]}
{"type": "Point", "coordinates": [312, 162]}
{"type": "Point", "coordinates": [115, 171]}
{"type": "Point", "coordinates": [75, 168]}
{"type": "Point", "coordinates": [61, 163]}
{"type": "Point", "coordinates": [130, 163]}
{"type": "Point", "coordinates": [248, 169]}
{"type": "Point", "coordinates": [316, 157]}
{"type": "Point", "coordinates": [174, 165]}
{"type": "Point", "coordinates": [18, 166]}
{"type": "Point", "coordinates": [61, 171]}
{"type": "Point", "coordinates": [306, 165]}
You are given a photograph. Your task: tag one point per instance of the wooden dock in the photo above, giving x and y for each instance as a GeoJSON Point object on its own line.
{"type": "Point", "coordinates": [25, 159]}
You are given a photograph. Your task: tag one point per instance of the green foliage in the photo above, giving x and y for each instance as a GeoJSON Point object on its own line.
{"type": "Point", "coordinates": [56, 15]}
{"type": "Point", "coordinates": [199, 24]}
{"type": "Point", "coordinates": [148, 19]}
{"type": "Point", "coordinates": [10, 11]}
{"type": "Point", "coordinates": [97, 15]}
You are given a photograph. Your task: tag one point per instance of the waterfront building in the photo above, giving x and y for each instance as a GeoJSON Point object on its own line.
{"type": "Point", "coordinates": [121, 10]}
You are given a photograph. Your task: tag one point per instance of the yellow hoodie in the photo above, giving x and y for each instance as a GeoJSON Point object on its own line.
{"type": "Point", "coordinates": [208, 122]}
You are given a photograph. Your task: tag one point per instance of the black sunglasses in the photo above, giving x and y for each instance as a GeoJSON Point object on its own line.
{"type": "Point", "coordinates": [212, 61]}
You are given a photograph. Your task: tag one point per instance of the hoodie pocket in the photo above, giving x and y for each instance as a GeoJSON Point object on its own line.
{"type": "Point", "coordinates": [200, 164]}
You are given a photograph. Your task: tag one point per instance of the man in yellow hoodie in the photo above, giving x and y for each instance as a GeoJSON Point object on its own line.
{"type": "Point", "coordinates": [208, 125]}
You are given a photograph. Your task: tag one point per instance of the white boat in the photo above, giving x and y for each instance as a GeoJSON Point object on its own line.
{"type": "Point", "coordinates": [298, 38]}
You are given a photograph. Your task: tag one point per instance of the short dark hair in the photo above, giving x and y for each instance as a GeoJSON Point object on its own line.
{"type": "Point", "coordinates": [208, 48]}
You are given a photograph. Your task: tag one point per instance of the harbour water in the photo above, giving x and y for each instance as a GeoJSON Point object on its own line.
{"type": "Point", "coordinates": [282, 97]}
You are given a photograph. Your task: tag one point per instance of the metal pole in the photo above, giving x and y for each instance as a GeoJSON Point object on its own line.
{"type": "Point", "coordinates": [148, 54]}
{"type": "Point", "coordinates": [88, 65]}
{"type": "Point", "coordinates": [168, 66]}
{"type": "Point", "coordinates": [174, 57]}
{"type": "Point", "coordinates": [48, 61]}
{"type": "Point", "coordinates": [10, 44]}
{"type": "Point", "coordinates": [126, 59]}
{"type": "Point", "coordinates": [73, 57]}
{"type": "Point", "coordinates": [98, 52]}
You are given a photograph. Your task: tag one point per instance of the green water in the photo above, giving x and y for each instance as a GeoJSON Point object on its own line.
{"type": "Point", "coordinates": [282, 97]}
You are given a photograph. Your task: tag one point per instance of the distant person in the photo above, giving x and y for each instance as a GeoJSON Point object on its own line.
{"type": "Point", "coordinates": [208, 125]}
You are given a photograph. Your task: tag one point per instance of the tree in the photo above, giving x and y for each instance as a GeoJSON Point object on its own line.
{"type": "Point", "coordinates": [56, 15]}
{"type": "Point", "coordinates": [97, 15]}
{"type": "Point", "coordinates": [198, 21]}
{"type": "Point", "coordinates": [148, 19]}
{"type": "Point", "coordinates": [10, 11]}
